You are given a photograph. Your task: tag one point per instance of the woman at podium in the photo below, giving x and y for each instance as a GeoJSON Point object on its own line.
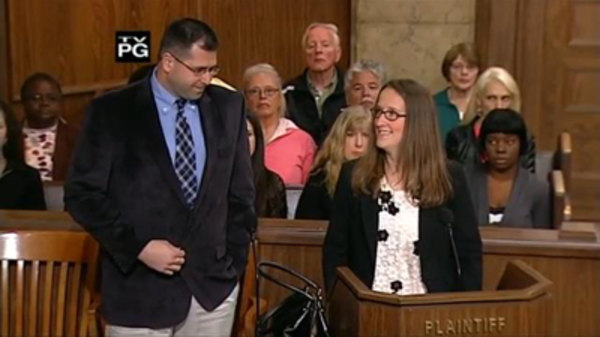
{"type": "Point", "coordinates": [402, 217]}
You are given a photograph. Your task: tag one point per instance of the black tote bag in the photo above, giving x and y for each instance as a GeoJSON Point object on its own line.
{"type": "Point", "coordinates": [301, 314]}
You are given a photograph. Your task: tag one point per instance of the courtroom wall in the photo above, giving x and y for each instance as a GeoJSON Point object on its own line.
{"type": "Point", "coordinates": [411, 36]}
{"type": "Point", "coordinates": [74, 40]}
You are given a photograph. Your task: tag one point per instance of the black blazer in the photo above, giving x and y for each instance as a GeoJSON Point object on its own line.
{"type": "Point", "coordinates": [122, 188]}
{"type": "Point", "coordinates": [21, 188]}
{"type": "Point", "coordinates": [302, 108]}
{"type": "Point", "coordinates": [315, 202]}
{"type": "Point", "coordinates": [351, 238]}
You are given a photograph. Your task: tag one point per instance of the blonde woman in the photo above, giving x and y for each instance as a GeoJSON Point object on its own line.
{"type": "Point", "coordinates": [347, 140]}
{"type": "Point", "coordinates": [402, 219]}
{"type": "Point", "coordinates": [495, 89]}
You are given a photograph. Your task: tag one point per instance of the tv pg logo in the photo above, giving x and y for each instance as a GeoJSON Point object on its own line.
{"type": "Point", "coordinates": [132, 46]}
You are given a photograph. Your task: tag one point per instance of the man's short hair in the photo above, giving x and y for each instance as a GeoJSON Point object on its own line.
{"type": "Point", "coordinates": [361, 65]}
{"type": "Point", "coordinates": [37, 77]}
{"type": "Point", "coordinates": [180, 35]}
{"type": "Point", "coordinates": [329, 26]}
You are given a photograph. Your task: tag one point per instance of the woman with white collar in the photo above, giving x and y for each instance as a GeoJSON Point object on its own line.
{"type": "Point", "coordinates": [289, 151]}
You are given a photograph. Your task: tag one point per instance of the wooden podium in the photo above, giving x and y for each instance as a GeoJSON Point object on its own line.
{"type": "Point", "coordinates": [521, 305]}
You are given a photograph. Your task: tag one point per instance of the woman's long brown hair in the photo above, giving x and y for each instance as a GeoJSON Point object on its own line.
{"type": "Point", "coordinates": [422, 165]}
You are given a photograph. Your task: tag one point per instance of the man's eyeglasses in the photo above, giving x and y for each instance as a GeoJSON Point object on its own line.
{"type": "Point", "coordinates": [258, 92]}
{"type": "Point", "coordinates": [390, 115]}
{"type": "Point", "coordinates": [200, 71]}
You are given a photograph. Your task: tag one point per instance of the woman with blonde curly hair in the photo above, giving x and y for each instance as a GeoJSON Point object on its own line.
{"type": "Point", "coordinates": [495, 89]}
{"type": "Point", "coordinates": [347, 140]}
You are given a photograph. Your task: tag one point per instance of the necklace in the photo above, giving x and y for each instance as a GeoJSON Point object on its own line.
{"type": "Point", "coordinates": [394, 184]}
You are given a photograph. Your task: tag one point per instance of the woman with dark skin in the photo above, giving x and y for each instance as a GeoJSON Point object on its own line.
{"type": "Point", "coordinates": [504, 193]}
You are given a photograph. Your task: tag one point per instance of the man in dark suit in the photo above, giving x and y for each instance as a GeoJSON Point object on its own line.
{"type": "Point", "coordinates": [162, 179]}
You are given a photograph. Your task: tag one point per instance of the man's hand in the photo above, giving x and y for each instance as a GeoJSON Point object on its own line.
{"type": "Point", "coordinates": [162, 256]}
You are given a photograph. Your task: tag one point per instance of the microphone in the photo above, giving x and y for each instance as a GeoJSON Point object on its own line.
{"type": "Point", "coordinates": [447, 218]}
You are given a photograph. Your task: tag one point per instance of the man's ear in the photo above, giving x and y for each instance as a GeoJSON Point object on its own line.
{"type": "Point", "coordinates": [338, 54]}
{"type": "Point", "coordinates": [166, 63]}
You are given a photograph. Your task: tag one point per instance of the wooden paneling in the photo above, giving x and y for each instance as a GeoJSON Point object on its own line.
{"type": "Point", "coordinates": [521, 307]}
{"type": "Point", "coordinates": [73, 40]}
{"type": "Point", "coordinates": [496, 32]}
{"type": "Point", "coordinates": [585, 26]}
{"type": "Point", "coordinates": [270, 31]}
{"type": "Point", "coordinates": [572, 265]}
{"type": "Point", "coordinates": [3, 53]}
{"type": "Point", "coordinates": [572, 53]}
{"type": "Point", "coordinates": [553, 49]}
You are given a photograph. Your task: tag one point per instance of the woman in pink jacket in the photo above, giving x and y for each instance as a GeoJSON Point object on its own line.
{"type": "Point", "coordinates": [289, 151]}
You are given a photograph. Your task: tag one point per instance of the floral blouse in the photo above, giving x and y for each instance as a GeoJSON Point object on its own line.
{"type": "Point", "coordinates": [397, 265]}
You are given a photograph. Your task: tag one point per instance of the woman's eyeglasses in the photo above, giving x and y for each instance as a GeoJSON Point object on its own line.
{"type": "Point", "coordinates": [266, 92]}
{"type": "Point", "coordinates": [389, 114]}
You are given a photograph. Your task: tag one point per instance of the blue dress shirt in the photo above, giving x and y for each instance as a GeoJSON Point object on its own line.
{"type": "Point", "coordinates": [167, 113]}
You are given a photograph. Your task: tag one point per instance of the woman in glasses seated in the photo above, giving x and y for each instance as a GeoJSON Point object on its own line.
{"type": "Point", "coordinates": [402, 217]}
{"type": "Point", "coordinates": [347, 140]}
{"type": "Point", "coordinates": [289, 151]}
{"type": "Point", "coordinates": [504, 193]}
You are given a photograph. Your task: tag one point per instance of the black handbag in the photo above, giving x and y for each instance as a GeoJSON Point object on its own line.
{"type": "Point", "coordinates": [301, 314]}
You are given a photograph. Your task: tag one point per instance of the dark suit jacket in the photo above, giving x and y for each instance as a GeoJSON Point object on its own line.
{"type": "Point", "coordinates": [351, 238]}
{"type": "Point", "coordinates": [66, 139]}
{"type": "Point", "coordinates": [302, 108]}
{"type": "Point", "coordinates": [315, 202]}
{"type": "Point", "coordinates": [21, 187]}
{"type": "Point", "coordinates": [528, 205]}
{"type": "Point", "coordinates": [123, 189]}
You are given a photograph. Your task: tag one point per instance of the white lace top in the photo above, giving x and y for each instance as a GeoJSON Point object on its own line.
{"type": "Point", "coordinates": [397, 264]}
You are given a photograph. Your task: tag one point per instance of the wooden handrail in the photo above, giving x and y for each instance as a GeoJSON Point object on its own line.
{"type": "Point", "coordinates": [80, 89]}
{"type": "Point", "coordinates": [564, 142]}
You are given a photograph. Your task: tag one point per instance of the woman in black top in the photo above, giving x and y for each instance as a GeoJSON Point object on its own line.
{"type": "Point", "coordinates": [270, 200]}
{"type": "Point", "coordinates": [347, 140]}
{"type": "Point", "coordinates": [20, 185]}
